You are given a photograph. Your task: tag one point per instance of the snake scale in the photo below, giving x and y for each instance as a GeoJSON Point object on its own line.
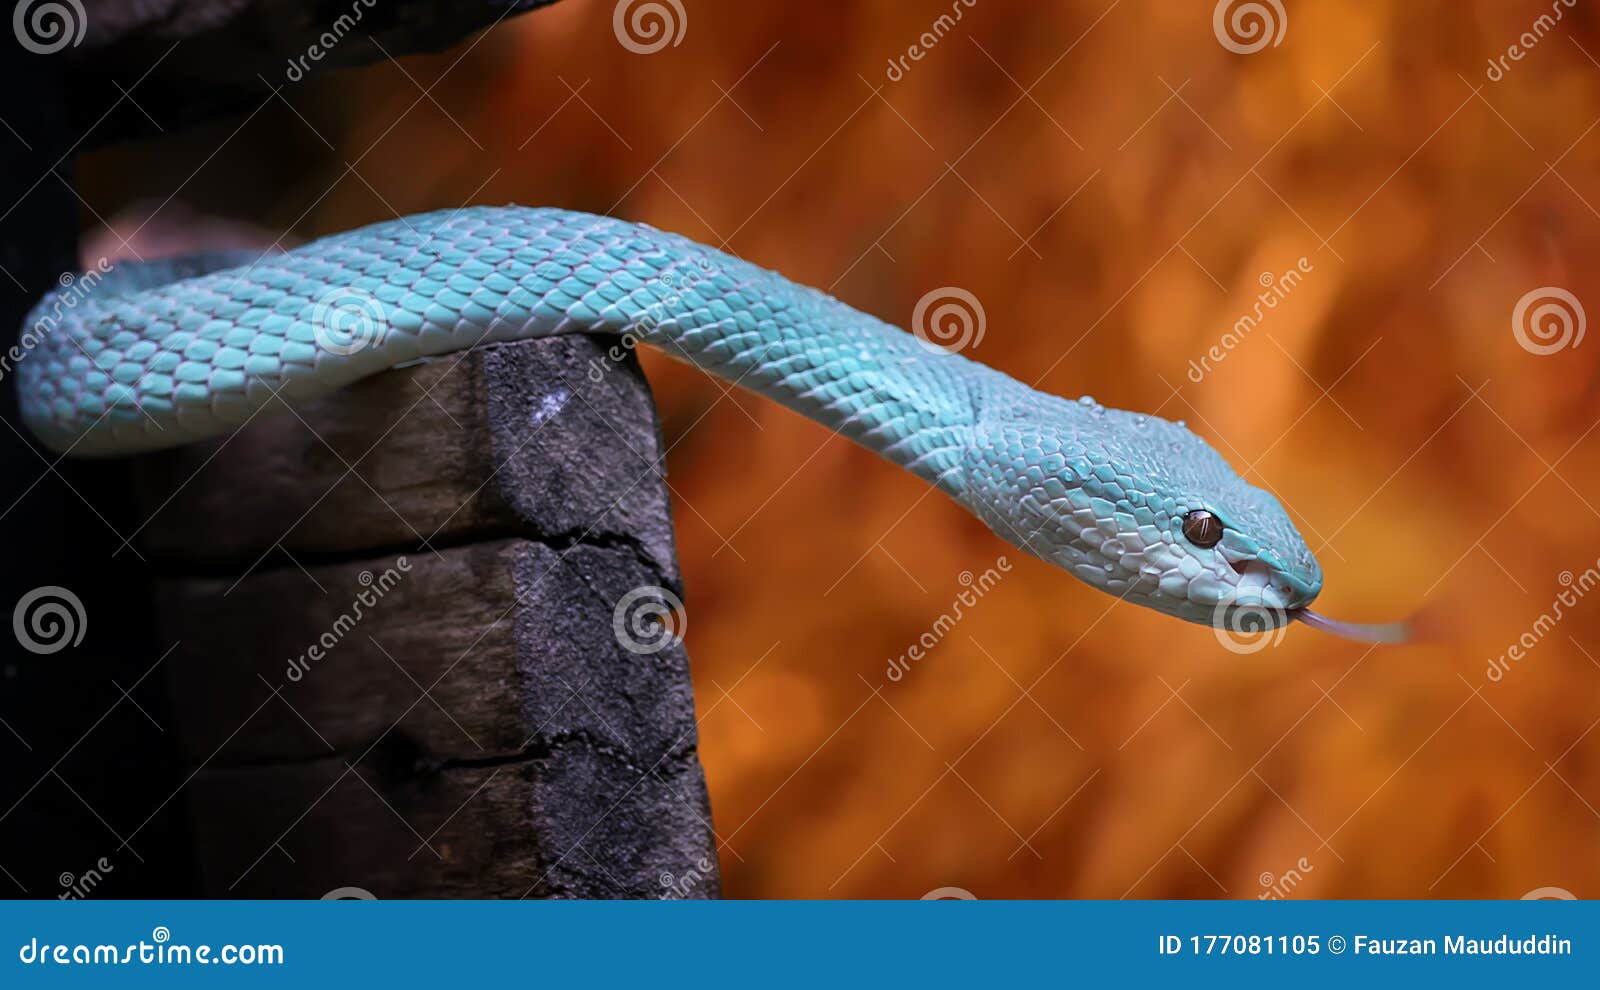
{"type": "Point", "coordinates": [169, 352]}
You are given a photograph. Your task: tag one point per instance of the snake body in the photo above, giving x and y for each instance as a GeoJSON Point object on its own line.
{"type": "Point", "coordinates": [165, 353]}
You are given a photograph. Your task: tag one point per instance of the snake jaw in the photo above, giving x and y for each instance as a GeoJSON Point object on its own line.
{"type": "Point", "coordinates": [1262, 580]}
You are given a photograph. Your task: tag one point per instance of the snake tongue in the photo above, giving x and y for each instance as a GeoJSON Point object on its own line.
{"type": "Point", "coordinates": [1388, 633]}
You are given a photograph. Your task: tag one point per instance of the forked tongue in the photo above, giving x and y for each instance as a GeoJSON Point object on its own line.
{"type": "Point", "coordinates": [1388, 633]}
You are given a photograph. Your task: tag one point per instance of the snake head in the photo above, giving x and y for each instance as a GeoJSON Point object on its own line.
{"type": "Point", "coordinates": [1141, 508]}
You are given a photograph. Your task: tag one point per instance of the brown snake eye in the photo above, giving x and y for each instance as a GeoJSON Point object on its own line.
{"type": "Point", "coordinates": [1202, 528]}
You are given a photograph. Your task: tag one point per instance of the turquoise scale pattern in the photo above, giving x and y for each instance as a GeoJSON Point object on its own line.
{"type": "Point", "coordinates": [170, 352]}
{"type": "Point", "coordinates": [192, 357]}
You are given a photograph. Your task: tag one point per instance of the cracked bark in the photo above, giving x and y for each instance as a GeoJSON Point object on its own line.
{"type": "Point", "coordinates": [476, 729]}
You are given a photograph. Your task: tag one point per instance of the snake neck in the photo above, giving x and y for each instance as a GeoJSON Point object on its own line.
{"type": "Point", "coordinates": [911, 403]}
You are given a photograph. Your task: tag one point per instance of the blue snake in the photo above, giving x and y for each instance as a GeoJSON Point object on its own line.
{"type": "Point", "coordinates": [170, 352]}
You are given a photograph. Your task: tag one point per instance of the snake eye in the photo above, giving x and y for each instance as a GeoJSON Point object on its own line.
{"type": "Point", "coordinates": [1202, 528]}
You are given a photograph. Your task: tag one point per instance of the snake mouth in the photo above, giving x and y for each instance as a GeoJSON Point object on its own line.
{"type": "Point", "coordinates": [1386, 633]}
{"type": "Point", "coordinates": [1267, 582]}
{"type": "Point", "coordinates": [1272, 587]}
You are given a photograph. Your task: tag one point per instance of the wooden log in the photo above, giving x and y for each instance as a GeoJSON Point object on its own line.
{"type": "Point", "coordinates": [399, 663]}
{"type": "Point", "coordinates": [84, 731]}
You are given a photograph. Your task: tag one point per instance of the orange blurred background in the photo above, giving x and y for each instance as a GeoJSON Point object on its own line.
{"type": "Point", "coordinates": [1111, 182]}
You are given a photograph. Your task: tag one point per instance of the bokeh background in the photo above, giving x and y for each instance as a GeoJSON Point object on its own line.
{"type": "Point", "coordinates": [1110, 181]}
